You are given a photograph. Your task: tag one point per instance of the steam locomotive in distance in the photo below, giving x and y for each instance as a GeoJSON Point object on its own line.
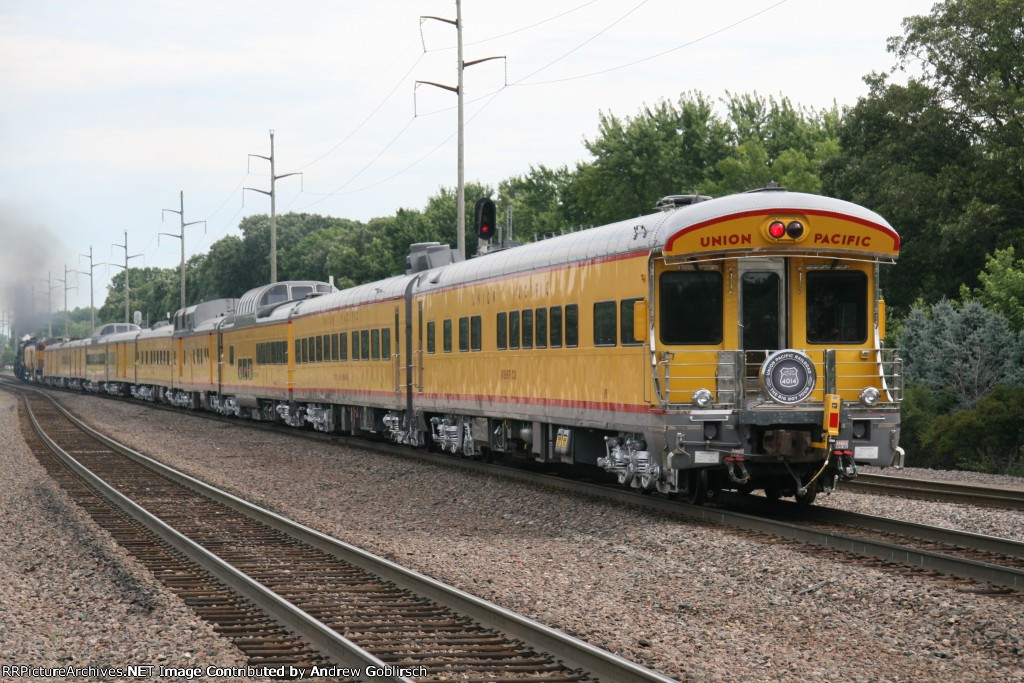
{"type": "Point", "coordinates": [730, 343]}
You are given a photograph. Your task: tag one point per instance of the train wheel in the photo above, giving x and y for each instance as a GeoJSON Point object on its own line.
{"type": "Point", "coordinates": [807, 498]}
{"type": "Point", "coordinates": [696, 487]}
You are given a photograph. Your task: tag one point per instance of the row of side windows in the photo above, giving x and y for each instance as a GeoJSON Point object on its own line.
{"type": "Point", "coordinates": [366, 345]}
{"type": "Point", "coordinates": [470, 334]}
{"type": "Point", "coordinates": [541, 327]}
{"type": "Point", "coordinates": [605, 328]}
{"type": "Point", "coordinates": [152, 357]}
{"type": "Point", "coordinates": [272, 353]}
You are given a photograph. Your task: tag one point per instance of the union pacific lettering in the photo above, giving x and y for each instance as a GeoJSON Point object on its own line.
{"type": "Point", "coordinates": [724, 240]}
{"type": "Point", "coordinates": [842, 240]}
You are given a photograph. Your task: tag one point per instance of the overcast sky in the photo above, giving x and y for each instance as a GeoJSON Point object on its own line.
{"type": "Point", "coordinates": [111, 107]}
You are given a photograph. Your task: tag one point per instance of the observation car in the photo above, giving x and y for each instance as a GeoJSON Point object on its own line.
{"type": "Point", "coordinates": [730, 343]}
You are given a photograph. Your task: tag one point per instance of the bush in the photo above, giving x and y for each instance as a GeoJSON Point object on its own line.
{"type": "Point", "coordinates": [920, 409]}
{"type": "Point", "coordinates": [989, 438]}
{"type": "Point", "coordinates": [962, 350]}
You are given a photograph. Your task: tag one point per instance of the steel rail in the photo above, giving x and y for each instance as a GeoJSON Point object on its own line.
{"type": "Point", "coordinates": [918, 558]}
{"type": "Point", "coordinates": [572, 652]}
{"type": "Point", "coordinates": [953, 492]}
{"type": "Point", "coordinates": [327, 641]}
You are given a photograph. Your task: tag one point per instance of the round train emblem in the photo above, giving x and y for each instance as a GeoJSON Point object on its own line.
{"type": "Point", "coordinates": [788, 376]}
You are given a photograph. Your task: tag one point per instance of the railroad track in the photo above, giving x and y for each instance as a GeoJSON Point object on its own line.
{"type": "Point", "coordinates": [991, 562]}
{"type": "Point", "coordinates": [952, 492]}
{"type": "Point", "coordinates": [295, 600]}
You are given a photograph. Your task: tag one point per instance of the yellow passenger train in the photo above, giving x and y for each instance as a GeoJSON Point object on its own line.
{"type": "Point", "coordinates": [730, 343]}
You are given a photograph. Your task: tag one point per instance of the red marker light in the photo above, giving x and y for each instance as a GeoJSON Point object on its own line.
{"type": "Point", "coordinates": [777, 229]}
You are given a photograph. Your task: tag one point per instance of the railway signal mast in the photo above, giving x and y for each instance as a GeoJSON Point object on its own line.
{"type": "Point", "coordinates": [460, 203]}
{"type": "Point", "coordinates": [273, 206]}
{"type": "Point", "coordinates": [181, 213]}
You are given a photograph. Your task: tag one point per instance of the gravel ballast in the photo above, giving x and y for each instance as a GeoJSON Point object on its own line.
{"type": "Point", "coordinates": [69, 595]}
{"type": "Point", "coordinates": [695, 602]}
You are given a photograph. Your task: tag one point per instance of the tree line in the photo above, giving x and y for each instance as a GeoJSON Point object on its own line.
{"type": "Point", "coordinates": [940, 155]}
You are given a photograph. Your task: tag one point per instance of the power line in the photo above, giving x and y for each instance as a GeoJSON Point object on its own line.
{"type": "Point", "coordinates": [512, 32]}
{"type": "Point", "coordinates": [643, 59]}
{"type": "Point", "coordinates": [585, 42]}
{"type": "Point", "coordinates": [354, 94]}
{"type": "Point", "coordinates": [368, 117]}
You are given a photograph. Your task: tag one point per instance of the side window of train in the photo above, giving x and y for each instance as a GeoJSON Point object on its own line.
{"type": "Point", "coordinates": [364, 344]}
{"type": "Point", "coordinates": [556, 326]}
{"type": "Point", "coordinates": [690, 307]}
{"type": "Point", "coordinates": [385, 344]}
{"type": "Point", "coordinates": [343, 343]}
{"type": "Point", "coordinates": [448, 335]}
{"type": "Point", "coordinates": [542, 328]}
{"type": "Point", "coordinates": [572, 329]}
{"type": "Point", "coordinates": [431, 337]}
{"type": "Point", "coordinates": [502, 331]}
{"type": "Point", "coordinates": [476, 333]}
{"type": "Point", "coordinates": [334, 347]}
{"type": "Point", "coordinates": [626, 322]}
{"type": "Point", "coordinates": [513, 330]}
{"type": "Point", "coordinates": [355, 345]}
{"type": "Point", "coordinates": [464, 333]}
{"type": "Point", "coordinates": [528, 329]}
{"type": "Point", "coordinates": [604, 323]}
{"type": "Point", "coordinates": [231, 355]}
{"type": "Point", "coordinates": [303, 349]}
{"type": "Point", "coordinates": [375, 344]}
{"type": "Point", "coordinates": [319, 349]}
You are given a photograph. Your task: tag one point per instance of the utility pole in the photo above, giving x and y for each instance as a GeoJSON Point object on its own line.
{"type": "Point", "coordinates": [66, 288]}
{"type": "Point", "coordinates": [460, 201]}
{"type": "Point", "coordinates": [92, 308]}
{"type": "Point", "coordinates": [127, 289]}
{"type": "Point", "coordinates": [273, 205]}
{"type": "Point", "coordinates": [49, 303]}
{"type": "Point", "coordinates": [181, 213]}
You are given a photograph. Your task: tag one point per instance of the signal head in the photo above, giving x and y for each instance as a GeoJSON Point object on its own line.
{"type": "Point", "coordinates": [484, 218]}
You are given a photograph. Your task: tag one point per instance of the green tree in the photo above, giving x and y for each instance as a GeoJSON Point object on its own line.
{"type": "Point", "coordinates": [775, 140]}
{"type": "Point", "coordinates": [1002, 286]}
{"type": "Point", "coordinates": [666, 149]}
{"type": "Point", "coordinates": [543, 201]}
{"type": "Point", "coordinates": [971, 52]}
{"type": "Point", "coordinates": [155, 292]}
{"type": "Point", "coordinates": [942, 157]}
{"type": "Point", "coordinates": [903, 154]}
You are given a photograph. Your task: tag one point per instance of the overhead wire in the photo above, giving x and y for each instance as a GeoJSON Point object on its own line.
{"type": "Point", "coordinates": [515, 31]}
{"type": "Point", "coordinates": [643, 59]}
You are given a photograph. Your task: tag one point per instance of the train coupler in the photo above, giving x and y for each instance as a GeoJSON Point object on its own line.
{"type": "Point", "coordinates": [846, 466]}
{"type": "Point", "coordinates": [734, 463]}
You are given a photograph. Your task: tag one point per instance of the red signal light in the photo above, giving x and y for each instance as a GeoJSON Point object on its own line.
{"type": "Point", "coordinates": [484, 218]}
{"type": "Point", "coordinates": [777, 229]}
